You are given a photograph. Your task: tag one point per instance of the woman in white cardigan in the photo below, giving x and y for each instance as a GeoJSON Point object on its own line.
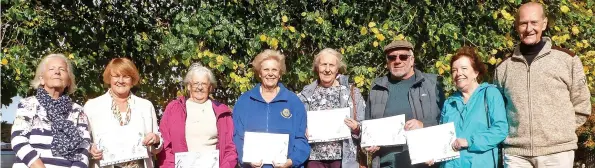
{"type": "Point", "coordinates": [119, 114]}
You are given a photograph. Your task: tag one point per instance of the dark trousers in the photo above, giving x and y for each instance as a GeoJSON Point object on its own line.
{"type": "Point", "coordinates": [324, 164]}
{"type": "Point", "coordinates": [401, 160]}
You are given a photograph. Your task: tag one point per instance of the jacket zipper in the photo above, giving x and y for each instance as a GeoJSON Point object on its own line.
{"type": "Point", "coordinates": [268, 112]}
{"type": "Point", "coordinates": [529, 95]}
{"type": "Point", "coordinates": [529, 103]}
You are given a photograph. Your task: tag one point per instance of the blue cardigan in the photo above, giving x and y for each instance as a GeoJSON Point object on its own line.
{"type": "Point", "coordinates": [471, 123]}
{"type": "Point", "coordinates": [251, 113]}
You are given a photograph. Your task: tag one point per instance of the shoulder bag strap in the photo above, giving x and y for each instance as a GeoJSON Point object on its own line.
{"type": "Point", "coordinates": [354, 110]}
{"type": "Point", "coordinates": [485, 103]}
{"type": "Point", "coordinates": [498, 147]}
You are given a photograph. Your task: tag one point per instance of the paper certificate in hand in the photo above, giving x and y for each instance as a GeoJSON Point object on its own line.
{"type": "Point", "coordinates": [265, 147]}
{"type": "Point", "coordinates": [206, 159]}
{"type": "Point", "coordinates": [432, 143]}
{"type": "Point", "coordinates": [387, 131]}
{"type": "Point", "coordinates": [120, 146]}
{"type": "Point", "coordinates": [328, 125]}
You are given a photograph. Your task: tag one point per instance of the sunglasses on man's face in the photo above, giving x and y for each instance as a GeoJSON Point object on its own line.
{"type": "Point", "coordinates": [402, 57]}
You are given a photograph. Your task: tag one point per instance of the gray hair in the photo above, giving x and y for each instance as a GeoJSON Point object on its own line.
{"type": "Point", "coordinates": [198, 69]}
{"type": "Point", "coordinates": [342, 67]}
{"type": "Point", "coordinates": [41, 68]}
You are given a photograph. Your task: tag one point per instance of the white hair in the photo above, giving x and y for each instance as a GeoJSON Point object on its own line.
{"type": "Point", "coordinates": [196, 69]}
{"type": "Point", "coordinates": [342, 66]}
{"type": "Point", "coordinates": [41, 68]}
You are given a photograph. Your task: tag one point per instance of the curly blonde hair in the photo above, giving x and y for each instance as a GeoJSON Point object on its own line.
{"type": "Point", "coordinates": [269, 54]}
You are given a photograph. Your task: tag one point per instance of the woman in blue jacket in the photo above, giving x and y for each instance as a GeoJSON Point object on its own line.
{"type": "Point", "coordinates": [269, 107]}
{"type": "Point", "coordinates": [477, 111]}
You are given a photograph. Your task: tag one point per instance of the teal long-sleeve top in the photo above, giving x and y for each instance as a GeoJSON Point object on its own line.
{"type": "Point", "coordinates": [471, 123]}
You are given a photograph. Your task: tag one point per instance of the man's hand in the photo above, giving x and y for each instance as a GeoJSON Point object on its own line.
{"type": "Point", "coordinates": [413, 124]}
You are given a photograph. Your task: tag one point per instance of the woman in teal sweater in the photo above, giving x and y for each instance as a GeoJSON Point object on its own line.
{"type": "Point", "coordinates": [477, 111]}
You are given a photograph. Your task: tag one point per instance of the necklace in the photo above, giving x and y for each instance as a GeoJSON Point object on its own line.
{"type": "Point", "coordinates": [117, 112]}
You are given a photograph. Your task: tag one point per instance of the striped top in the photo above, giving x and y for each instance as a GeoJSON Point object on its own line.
{"type": "Point", "coordinates": [31, 136]}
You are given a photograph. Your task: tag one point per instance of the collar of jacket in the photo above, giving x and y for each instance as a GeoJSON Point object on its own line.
{"type": "Point", "coordinates": [545, 51]}
{"type": "Point", "coordinates": [281, 96]}
{"type": "Point", "coordinates": [456, 100]}
{"type": "Point", "coordinates": [383, 82]}
{"type": "Point", "coordinates": [343, 79]}
{"type": "Point", "coordinates": [219, 108]}
{"type": "Point", "coordinates": [458, 96]}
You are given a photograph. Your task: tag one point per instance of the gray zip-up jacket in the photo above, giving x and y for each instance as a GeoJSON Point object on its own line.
{"type": "Point", "coordinates": [426, 98]}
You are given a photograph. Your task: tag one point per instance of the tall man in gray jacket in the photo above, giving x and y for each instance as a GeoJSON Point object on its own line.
{"type": "Point", "coordinates": [405, 90]}
{"type": "Point", "coordinates": [547, 96]}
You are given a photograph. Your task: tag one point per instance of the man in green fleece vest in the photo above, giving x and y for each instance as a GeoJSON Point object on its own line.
{"type": "Point", "coordinates": [546, 95]}
{"type": "Point", "coordinates": [405, 90]}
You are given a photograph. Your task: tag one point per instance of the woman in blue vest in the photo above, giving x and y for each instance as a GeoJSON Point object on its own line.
{"type": "Point", "coordinates": [477, 111]}
{"type": "Point", "coordinates": [270, 108]}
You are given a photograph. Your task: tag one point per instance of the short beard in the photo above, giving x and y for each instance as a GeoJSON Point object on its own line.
{"type": "Point", "coordinates": [398, 76]}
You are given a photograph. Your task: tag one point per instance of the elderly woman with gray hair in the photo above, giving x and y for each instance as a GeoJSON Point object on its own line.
{"type": "Point", "coordinates": [331, 91]}
{"type": "Point", "coordinates": [50, 130]}
{"type": "Point", "coordinates": [197, 123]}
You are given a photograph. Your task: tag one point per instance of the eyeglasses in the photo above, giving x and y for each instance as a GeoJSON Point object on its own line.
{"type": "Point", "coordinates": [402, 57]}
{"type": "Point", "coordinates": [199, 84]}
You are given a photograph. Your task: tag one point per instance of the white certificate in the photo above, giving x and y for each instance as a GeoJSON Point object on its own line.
{"type": "Point", "coordinates": [328, 125]}
{"type": "Point", "coordinates": [206, 159]}
{"type": "Point", "coordinates": [432, 143]}
{"type": "Point", "coordinates": [265, 147]}
{"type": "Point", "coordinates": [120, 146]}
{"type": "Point", "coordinates": [388, 131]}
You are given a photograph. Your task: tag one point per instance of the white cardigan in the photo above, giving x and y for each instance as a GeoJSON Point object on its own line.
{"type": "Point", "coordinates": [99, 113]}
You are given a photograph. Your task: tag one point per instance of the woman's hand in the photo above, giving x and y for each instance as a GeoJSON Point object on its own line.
{"type": "Point", "coordinates": [372, 149]}
{"type": "Point", "coordinates": [430, 163]}
{"type": "Point", "coordinates": [256, 165]}
{"type": "Point", "coordinates": [352, 124]}
{"type": "Point", "coordinates": [37, 164]}
{"type": "Point", "coordinates": [150, 139]}
{"type": "Point", "coordinates": [96, 154]}
{"type": "Point", "coordinates": [287, 164]}
{"type": "Point", "coordinates": [459, 144]}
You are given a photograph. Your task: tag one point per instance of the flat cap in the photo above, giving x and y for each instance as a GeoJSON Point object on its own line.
{"type": "Point", "coordinates": [398, 44]}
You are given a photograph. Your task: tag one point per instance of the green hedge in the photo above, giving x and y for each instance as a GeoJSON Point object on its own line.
{"type": "Point", "coordinates": [164, 37]}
